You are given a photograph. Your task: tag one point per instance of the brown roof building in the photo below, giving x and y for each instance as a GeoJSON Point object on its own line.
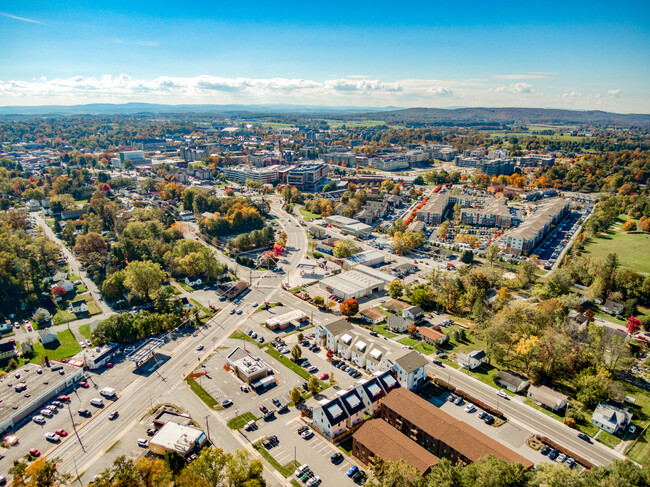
{"type": "Point", "coordinates": [439, 433]}
{"type": "Point", "coordinates": [378, 439]}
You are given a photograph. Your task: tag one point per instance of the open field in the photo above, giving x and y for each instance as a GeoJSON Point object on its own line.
{"type": "Point", "coordinates": [633, 249]}
{"type": "Point", "coordinates": [354, 123]}
{"type": "Point", "coordinates": [308, 214]}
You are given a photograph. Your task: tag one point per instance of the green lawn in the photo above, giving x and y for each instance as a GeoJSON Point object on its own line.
{"type": "Point", "coordinates": [84, 330]}
{"type": "Point", "coordinates": [640, 451]}
{"type": "Point", "coordinates": [210, 401]}
{"type": "Point", "coordinates": [243, 336]}
{"type": "Point", "coordinates": [607, 439]}
{"type": "Point", "coordinates": [63, 316]}
{"type": "Point", "coordinates": [286, 470]}
{"type": "Point", "coordinates": [633, 249]}
{"type": "Point", "coordinates": [308, 214]}
{"type": "Point", "coordinates": [587, 428]}
{"type": "Point", "coordinates": [67, 348]}
{"type": "Point", "coordinates": [239, 421]}
{"type": "Point", "coordinates": [425, 348]}
{"type": "Point", "coordinates": [408, 341]}
{"type": "Point", "coordinates": [381, 329]}
{"type": "Point", "coordinates": [187, 288]}
{"type": "Point", "coordinates": [346, 446]}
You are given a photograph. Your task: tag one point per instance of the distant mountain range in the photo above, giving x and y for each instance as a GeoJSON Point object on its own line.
{"type": "Point", "coordinates": [389, 114]}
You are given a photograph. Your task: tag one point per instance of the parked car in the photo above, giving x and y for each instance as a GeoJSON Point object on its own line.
{"type": "Point", "coordinates": [84, 412]}
{"type": "Point", "coordinates": [61, 432]}
{"type": "Point", "coordinates": [84, 384]}
{"type": "Point", "coordinates": [263, 408]}
{"type": "Point", "coordinates": [545, 450]}
{"type": "Point", "coordinates": [52, 437]}
{"type": "Point", "coordinates": [553, 453]}
{"type": "Point", "coordinates": [488, 419]}
{"type": "Point", "coordinates": [276, 401]}
{"type": "Point", "coordinates": [226, 403]}
{"type": "Point", "coordinates": [38, 419]}
{"type": "Point", "coordinates": [470, 408]}
{"type": "Point", "coordinates": [352, 471]}
{"type": "Point", "coordinates": [307, 434]}
{"type": "Point", "coordinates": [561, 457]}
{"type": "Point", "coordinates": [584, 437]}
{"type": "Point", "coordinates": [458, 401]}
{"type": "Point", "coordinates": [143, 443]}
{"type": "Point", "coordinates": [336, 458]}
{"type": "Point", "coordinates": [34, 452]}
{"type": "Point", "coordinates": [268, 415]}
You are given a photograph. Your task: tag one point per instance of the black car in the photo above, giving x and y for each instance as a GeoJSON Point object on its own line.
{"type": "Point", "coordinates": [582, 436]}
{"type": "Point", "coordinates": [113, 415]}
{"type": "Point", "coordinates": [545, 450]}
{"type": "Point", "coordinates": [374, 333]}
{"type": "Point", "coordinates": [269, 415]}
{"type": "Point", "coordinates": [437, 362]}
{"type": "Point", "coordinates": [84, 412]}
{"type": "Point", "coordinates": [358, 475]}
{"type": "Point", "coordinates": [304, 386]}
{"type": "Point", "coordinates": [488, 419]}
{"type": "Point", "coordinates": [336, 458]}
{"type": "Point", "coordinates": [276, 401]}
{"type": "Point", "coordinates": [553, 454]}
{"type": "Point", "coordinates": [302, 429]}
{"type": "Point", "coordinates": [151, 432]}
{"type": "Point", "coordinates": [274, 440]}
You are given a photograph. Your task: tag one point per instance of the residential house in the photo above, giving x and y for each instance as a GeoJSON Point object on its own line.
{"type": "Point", "coordinates": [372, 391]}
{"type": "Point", "coordinates": [186, 303]}
{"type": "Point", "coordinates": [48, 337]}
{"type": "Point", "coordinates": [399, 323]}
{"type": "Point", "coordinates": [330, 417]}
{"type": "Point", "coordinates": [576, 322]}
{"type": "Point", "coordinates": [512, 381]}
{"type": "Point", "coordinates": [78, 307]}
{"type": "Point", "coordinates": [7, 351]}
{"type": "Point", "coordinates": [345, 344]}
{"type": "Point", "coordinates": [547, 397]}
{"type": "Point", "coordinates": [431, 336]}
{"type": "Point", "coordinates": [610, 418]}
{"type": "Point", "coordinates": [358, 352]}
{"type": "Point", "coordinates": [65, 284]}
{"type": "Point", "coordinates": [394, 305]}
{"type": "Point", "coordinates": [329, 333]}
{"type": "Point", "coordinates": [409, 368]}
{"type": "Point", "coordinates": [413, 313]}
{"type": "Point", "coordinates": [612, 308]}
{"type": "Point", "coordinates": [472, 360]}
{"type": "Point", "coordinates": [193, 281]}
{"type": "Point", "coordinates": [373, 359]}
{"type": "Point", "coordinates": [372, 315]}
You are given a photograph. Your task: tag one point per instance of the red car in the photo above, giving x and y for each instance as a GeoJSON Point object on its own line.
{"type": "Point", "coordinates": [324, 376]}
{"type": "Point", "coordinates": [84, 384]}
{"type": "Point", "coordinates": [61, 432]}
{"type": "Point", "coordinates": [64, 398]}
{"type": "Point", "coordinates": [263, 408]}
{"type": "Point", "coordinates": [109, 365]}
{"type": "Point", "coordinates": [34, 452]}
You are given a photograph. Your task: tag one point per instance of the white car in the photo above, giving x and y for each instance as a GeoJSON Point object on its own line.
{"type": "Point", "coordinates": [143, 443]}
{"type": "Point", "coordinates": [83, 344]}
{"type": "Point", "coordinates": [502, 394]}
{"type": "Point", "coordinates": [470, 408]}
{"type": "Point", "coordinates": [307, 434]}
{"type": "Point", "coordinates": [255, 304]}
{"type": "Point", "coordinates": [39, 420]}
{"type": "Point", "coordinates": [52, 437]}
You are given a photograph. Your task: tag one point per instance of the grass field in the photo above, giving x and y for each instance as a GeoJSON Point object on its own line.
{"type": "Point", "coordinates": [84, 330]}
{"type": "Point", "coordinates": [209, 401]}
{"type": "Point", "coordinates": [239, 421]}
{"type": "Point", "coordinates": [381, 329]}
{"type": "Point", "coordinates": [63, 316]}
{"type": "Point", "coordinates": [633, 249]}
{"type": "Point", "coordinates": [308, 214]}
{"type": "Point", "coordinates": [67, 348]}
{"type": "Point", "coordinates": [418, 345]}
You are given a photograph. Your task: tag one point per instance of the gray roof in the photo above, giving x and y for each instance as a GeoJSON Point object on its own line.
{"type": "Point", "coordinates": [608, 414]}
{"type": "Point", "coordinates": [512, 378]}
{"type": "Point", "coordinates": [339, 326]}
{"type": "Point", "coordinates": [411, 361]}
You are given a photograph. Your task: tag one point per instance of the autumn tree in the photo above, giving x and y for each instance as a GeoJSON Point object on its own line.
{"type": "Point", "coordinates": [349, 307]}
{"type": "Point", "coordinates": [345, 248]}
{"type": "Point", "coordinates": [40, 473]}
{"type": "Point", "coordinates": [296, 352]}
{"type": "Point", "coordinates": [318, 300]}
{"type": "Point", "coordinates": [629, 226]}
{"type": "Point", "coordinates": [90, 243]}
{"type": "Point", "coordinates": [144, 277]}
{"type": "Point", "coordinates": [295, 395]}
{"type": "Point", "coordinates": [633, 325]}
{"type": "Point", "coordinates": [313, 385]}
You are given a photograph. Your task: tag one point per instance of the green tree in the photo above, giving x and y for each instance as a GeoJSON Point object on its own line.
{"type": "Point", "coordinates": [295, 395]}
{"type": "Point", "coordinates": [175, 462]}
{"type": "Point", "coordinates": [313, 385]}
{"type": "Point", "coordinates": [332, 380]}
{"type": "Point", "coordinates": [395, 289]}
{"type": "Point", "coordinates": [396, 474]}
{"type": "Point", "coordinates": [113, 287]}
{"type": "Point", "coordinates": [420, 297]}
{"type": "Point", "coordinates": [296, 352]}
{"type": "Point", "coordinates": [318, 300]}
{"type": "Point", "coordinates": [345, 248]}
{"type": "Point", "coordinates": [144, 277]}
{"type": "Point", "coordinates": [467, 257]}
{"type": "Point", "coordinates": [492, 253]}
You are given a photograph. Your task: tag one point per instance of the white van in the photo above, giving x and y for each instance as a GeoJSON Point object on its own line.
{"type": "Point", "coordinates": [97, 402]}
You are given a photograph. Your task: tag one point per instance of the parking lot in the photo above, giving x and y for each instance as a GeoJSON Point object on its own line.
{"type": "Point", "coordinates": [551, 247]}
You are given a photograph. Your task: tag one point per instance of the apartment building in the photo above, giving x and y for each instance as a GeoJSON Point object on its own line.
{"type": "Point", "coordinates": [535, 160]}
{"type": "Point", "coordinates": [495, 213]}
{"type": "Point", "coordinates": [535, 228]}
{"type": "Point", "coordinates": [496, 167]}
{"type": "Point", "coordinates": [440, 433]}
{"type": "Point", "coordinates": [409, 368]}
{"type": "Point", "coordinates": [241, 174]}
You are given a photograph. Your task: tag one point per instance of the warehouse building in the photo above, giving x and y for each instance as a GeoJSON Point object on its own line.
{"type": "Point", "coordinates": [352, 284]}
{"type": "Point", "coordinates": [369, 258]}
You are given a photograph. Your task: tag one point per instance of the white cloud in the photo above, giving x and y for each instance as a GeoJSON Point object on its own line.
{"type": "Point", "coordinates": [24, 19]}
{"type": "Point", "coordinates": [529, 75]}
{"type": "Point", "coordinates": [440, 91]}
{"type": "Point", "coordinates": [571, 96]}
{"type": "Point", "coordinates": [514, 89]}
{"type": "Point", "coordinates": [614, 92]}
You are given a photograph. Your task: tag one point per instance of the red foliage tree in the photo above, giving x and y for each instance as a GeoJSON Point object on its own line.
{"type": "Point", "coordinates": [58, 291]}
{"type": "Point", "coordinates": [349, 307]}
{"type": "Point", "coordinates": [633, 325]}
{"type": "Point", "coordinates": [106, 188]}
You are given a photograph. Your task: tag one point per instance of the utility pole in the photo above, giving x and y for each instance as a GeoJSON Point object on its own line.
{"type": "Point", "coordinates": [207, 423]}
{"type": "Point", "coordinates": [74, 427]}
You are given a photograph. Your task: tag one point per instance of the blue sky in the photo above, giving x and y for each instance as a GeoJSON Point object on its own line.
{"type": "Point", "coordinates": [579, 55]}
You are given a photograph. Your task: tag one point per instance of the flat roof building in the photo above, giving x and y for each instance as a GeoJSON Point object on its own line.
{"type": "Point", "coordinates": [182, 439]}
{"type": "Point", "coordinates": [246, 367]}
{"type": "Point", "coordinates": [283, 321]}
{"type": "Point", "coordinates": [352, 284]}
{"type": "Point", "coordinates": [31, 387]}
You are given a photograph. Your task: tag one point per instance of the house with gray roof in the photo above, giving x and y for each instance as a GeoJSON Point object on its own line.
{"type": "Point", "coordinates": [610, 418]}
{"type": "Point", "coordinates": [409, 368]}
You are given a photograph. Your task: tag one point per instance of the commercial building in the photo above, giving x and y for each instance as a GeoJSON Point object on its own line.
{"type": "Point", "coordinates": [307, 176]}
{"type": "Point", "coordinates": [367, 258]}
{"type": "Point", "coordinates": [246, 367]}
{"type": "Point", "coordinates": [535, 160]}
{"type": "Point", "coordinates": [535, 228]}
{"type": "Point", "coordinates": [377, 274]}
{"type": "Point", "coordinates": [30, 387]}
{"type": "Point", "coordinates": [378, 439]}
{"type": "Point", "coordinates": [96, 357]}
{"type": "Point", "coordinates": [351, 284]}
{"type": "Point", "coordinates": [339, 221]}
{"type": "Point", "coordinates": [391, 163]}
{"type": "Point", "coordinates": [440, 433]}
{"type": "Point", "coordinates": [135, 156]}
{"type": "Point", "coordinates": [182, 439]}
{"type": "Point", "coordinates": [294, 317]}
{"type": "Point", "coordinates": [240, 174]}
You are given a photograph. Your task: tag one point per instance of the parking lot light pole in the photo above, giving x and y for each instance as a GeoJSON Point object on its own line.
{"type": "Point", "coordinates": [207, 423]}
